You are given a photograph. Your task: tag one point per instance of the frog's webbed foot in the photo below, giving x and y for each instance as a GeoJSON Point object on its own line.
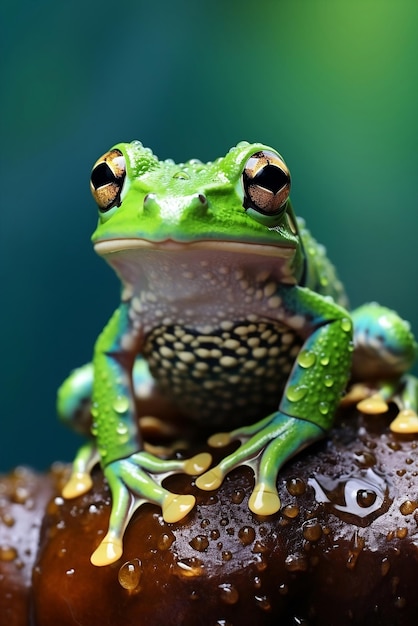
{"type": "Point", "coordinates": [265, 447]}
{"type": "Point", "coordinates": [136, 480]}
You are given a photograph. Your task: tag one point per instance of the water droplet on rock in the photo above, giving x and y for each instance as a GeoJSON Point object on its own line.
{"type": "Point", "coordinates": [130, 574]}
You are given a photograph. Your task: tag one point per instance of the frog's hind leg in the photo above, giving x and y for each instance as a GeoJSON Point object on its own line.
{"type": "Point", "coordinates": [384, 351]}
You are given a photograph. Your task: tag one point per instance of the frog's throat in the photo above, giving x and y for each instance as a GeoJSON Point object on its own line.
{"type": "Point", "coordinates": [109, 246]}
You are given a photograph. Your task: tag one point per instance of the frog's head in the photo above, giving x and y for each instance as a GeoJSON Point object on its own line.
{"type": "Point", "coordinates": [238, 204]}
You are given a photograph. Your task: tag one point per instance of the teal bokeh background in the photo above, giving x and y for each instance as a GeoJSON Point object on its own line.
{"type": "Point", "coordinates": [332, 85]}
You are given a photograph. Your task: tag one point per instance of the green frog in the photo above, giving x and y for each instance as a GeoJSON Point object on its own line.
{"type": "Point", "coordinates": [232, 314]}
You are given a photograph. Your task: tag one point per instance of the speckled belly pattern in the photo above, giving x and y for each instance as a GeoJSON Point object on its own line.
{"type": "Point", "coordinates": [225, 375]}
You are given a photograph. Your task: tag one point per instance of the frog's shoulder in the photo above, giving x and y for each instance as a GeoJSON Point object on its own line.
{"type": "Point", "coordinates": [320, 274]}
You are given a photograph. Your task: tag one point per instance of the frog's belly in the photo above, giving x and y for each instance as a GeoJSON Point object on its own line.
{"type": "Point", "coordinates": [228, 375]}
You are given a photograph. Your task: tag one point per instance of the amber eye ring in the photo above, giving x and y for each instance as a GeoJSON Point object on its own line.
{"type": "Point", "coordinates": [266, 183]}
{"type": "Point", "coordinates": [106, 180]}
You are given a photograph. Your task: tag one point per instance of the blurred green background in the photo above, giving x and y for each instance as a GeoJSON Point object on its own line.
{"type": "Point", "coordinates": [331, 84]}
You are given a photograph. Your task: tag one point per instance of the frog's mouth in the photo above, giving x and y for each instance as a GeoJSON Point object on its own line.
{"type": "Point", "coordinates": [109, 246]}
{"type": "Point", "coordinates": [128, 256]}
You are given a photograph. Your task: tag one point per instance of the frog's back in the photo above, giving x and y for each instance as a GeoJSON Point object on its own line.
{"type": "Point", "coordinates": [320, 274]}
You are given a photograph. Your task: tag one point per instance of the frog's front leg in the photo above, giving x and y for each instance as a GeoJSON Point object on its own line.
{"type": "Point", "coordinates": [309, 401]}
{"type": "Point", "coordinates": [134, 476]}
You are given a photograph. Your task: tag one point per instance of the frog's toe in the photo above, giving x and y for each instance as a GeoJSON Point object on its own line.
{"type": "Point", "coordinates": [197, 464]}
{"type": "Point", "coordinates": [373, 405]}
{"type": "Point", "coordinates": [78, 484]}
{"type": "Point", "coordinates": [264, 500]}
{"type": "Point", "coordinates": [220, 440]}
{"type": "Point", "coordinates": [176, 506]}
{"type": "Point", "coordinates": [406, 422]}
{"type": "Point", "coordinates": [210, 480]}
{"type": "Point", "coordinates": [109, 550]}
{"type": "Point", "coordinates": [80, 481]}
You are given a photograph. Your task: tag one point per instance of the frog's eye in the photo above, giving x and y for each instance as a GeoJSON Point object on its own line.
{"type": "Point", "coordinates": [266, 182]}
{"type": "Point", "coordinates": [107, 178]}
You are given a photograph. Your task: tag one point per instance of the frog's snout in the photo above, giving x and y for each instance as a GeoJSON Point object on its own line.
{"type": "Point", "coordinates": [176, 209]}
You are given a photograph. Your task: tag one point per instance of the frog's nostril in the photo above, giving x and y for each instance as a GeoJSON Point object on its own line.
{"type": "Point", "coordinates": [199, 204]}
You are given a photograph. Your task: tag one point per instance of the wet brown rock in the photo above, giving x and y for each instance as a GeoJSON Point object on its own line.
{"type": "Point", "coordinates": [23, 498]}
{"type": "Point", "coordinates": [342, 550]}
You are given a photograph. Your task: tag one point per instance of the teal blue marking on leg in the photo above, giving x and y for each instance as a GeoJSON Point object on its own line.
{"type": "Point", "coordinates": [75, 390]}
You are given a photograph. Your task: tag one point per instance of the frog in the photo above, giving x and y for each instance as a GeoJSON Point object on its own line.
{"type": "Point", "coordinates": [231, 313]}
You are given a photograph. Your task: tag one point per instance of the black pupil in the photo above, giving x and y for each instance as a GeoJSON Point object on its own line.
{"type": "Point", "coordinates": [102, 175]}
{"type": "Point", "coordinates": [271, 177]}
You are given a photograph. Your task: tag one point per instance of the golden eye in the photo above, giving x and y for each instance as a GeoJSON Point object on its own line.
{"type": "Point", "coordinates": [266, 181]}
{"type": "Point", "coordinates": [107, 178]}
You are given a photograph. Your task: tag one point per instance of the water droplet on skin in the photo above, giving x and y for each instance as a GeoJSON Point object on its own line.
{"type": "Point", "coordinates": [324, 408]}
{"type": "Point", "coordinates": [121, 428]}
{"type": "Point", "coordinates": [102, 452]}
{"type": "Point", "coordinates": [408, 507]}
{"type": "Point", "coordinates": [246, 535]}
{"type": "Point", "coordinates": [199, 543]}
{"type": "Point", "coordinates": [306, 358]}
{"type": "Point", "coordinates": [294, 393]}
{"type": "Point", "coordinates": [121, 404]}
{"type": "Point", "coordinates": [346, 325]}
{"type": "Point", "coordinates": [296, 486]}
{"type": "Point", "coordinates": [229, 594]}
{"type": "Point", "coordinates": [130, 574]}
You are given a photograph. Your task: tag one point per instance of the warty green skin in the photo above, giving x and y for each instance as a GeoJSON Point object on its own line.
{"type": "Point", "coordinates": [239, 316]}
